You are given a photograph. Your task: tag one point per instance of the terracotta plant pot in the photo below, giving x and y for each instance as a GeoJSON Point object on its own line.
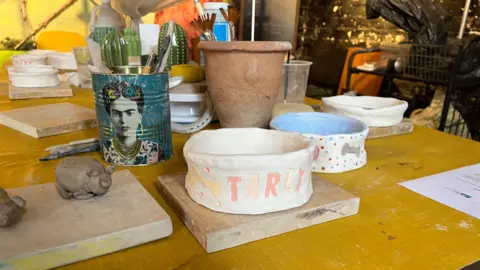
{"type": "Point", "coordinates": [244, 80]}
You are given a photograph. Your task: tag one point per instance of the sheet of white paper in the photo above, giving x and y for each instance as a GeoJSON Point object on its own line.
{"type": "Point", "coordinates": [149, 36]}
{"type": "Point", "coordinates": [459, 189]}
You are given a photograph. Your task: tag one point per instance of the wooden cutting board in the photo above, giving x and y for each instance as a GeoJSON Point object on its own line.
{"type": "Point", "coordinates": [57, 232]}
{"type": "Point", "coordinates": [48, 120]}
{"type": "Point", "coordinates": [218, 231]}
{"type": "Point", "coordinates": [62, 90]}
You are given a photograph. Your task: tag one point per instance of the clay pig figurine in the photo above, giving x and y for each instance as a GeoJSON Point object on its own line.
{"type": "Point", "coordinates": [11, 209]}
{"type": "Point", "coordinates": [82, 178]}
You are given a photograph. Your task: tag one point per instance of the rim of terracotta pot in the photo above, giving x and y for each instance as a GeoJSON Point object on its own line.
{"type": "Point", "coordinates": [249, 46]}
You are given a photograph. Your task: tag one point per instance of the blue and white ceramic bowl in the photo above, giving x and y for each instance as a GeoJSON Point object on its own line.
{"type": "Point", "coordinates": [339, 141]}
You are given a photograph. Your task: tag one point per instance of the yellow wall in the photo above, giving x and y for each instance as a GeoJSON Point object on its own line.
{"type": "Point", "coordinates": [11, 18]}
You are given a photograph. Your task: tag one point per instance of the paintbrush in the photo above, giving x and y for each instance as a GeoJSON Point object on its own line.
{"type": "Point", "coordinates": [198, 25]}
{"type": "Point", "coordinates": [208, 21]}
{"type": "Point", "coordinates": [199, 7]}
{"type": "Point", "coordinates": [224, 14]}
{"type": "Point", "coordinates": [233, 14]}
{"type": "Point", "coordinates": [148, 65]}
{"type": "Point", "coordinates": [231, 17]}
{"type": "Point", "coordinates": [201, 27]}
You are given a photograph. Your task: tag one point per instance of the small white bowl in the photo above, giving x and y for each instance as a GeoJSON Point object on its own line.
{"type": "Point", "coordinates": [60, 60]}
{"type": "Point", "coordinates": [374, 111]}
{"type": "Point", "coordinates": [248, 170]}
{"type": "Point", "coordinates": [28, 60]}
{"type": "Point", "coordinates": [31, 69]}
{"type": "Point", "coordinates": [37, 76]}
{"type": "Point", "coordinates": [339, 141]}
{"type": "Point", "coordinates": [40, 52]}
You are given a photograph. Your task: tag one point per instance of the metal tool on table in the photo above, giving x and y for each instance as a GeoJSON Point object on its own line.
{"type": "Point", "coordinates": [163, 55]}
{"type": "Point", "coordinates": [72, 148]}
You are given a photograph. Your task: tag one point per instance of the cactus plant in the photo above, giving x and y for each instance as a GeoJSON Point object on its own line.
{"type": "Point", "coordinates": [133, 42]}
{"type": "Point", "coordinates": [134, 47]}
{"type": "Point", "coordinates": [114, 50]}
{"type": "Point", "coordinates": [99, 34]}
{"type": "Point", "coordinates": [179, 50]}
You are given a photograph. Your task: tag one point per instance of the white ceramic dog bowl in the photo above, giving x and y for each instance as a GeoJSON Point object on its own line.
{"type": "Point", "coordinates": [374, 111]}
{"type": "Point", "coordinates": [339, 141]}
{"type": "Point", "coordinates": [28, 60]}
{"type": "Point", "coordinates": [35, 76]}
{"type": "Point", "coordinates": [248, 170]}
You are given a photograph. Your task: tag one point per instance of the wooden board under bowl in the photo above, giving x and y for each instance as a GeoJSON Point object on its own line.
{"type": "Point", "coordinates": [56, 232]}
{"type": "Point", "coordinates": [404, 127]}
{"type": "Point", "coordinates": [62, 90]}
{"type": "Point", "coordinates": [218, 231]}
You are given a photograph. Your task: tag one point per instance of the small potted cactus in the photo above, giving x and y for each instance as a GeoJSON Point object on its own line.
{"type": "Point", "coordinates": [179, 50]}
{"type": "Point", "coordinates": [121, 49]}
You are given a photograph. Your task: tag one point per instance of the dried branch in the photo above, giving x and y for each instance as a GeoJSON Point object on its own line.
{"type": "Point", "coordinates": [26, 20]}
{"type": "Point", "coordinates": [47, 21]}
{"type": "Point", "coordinates": [93, 2]}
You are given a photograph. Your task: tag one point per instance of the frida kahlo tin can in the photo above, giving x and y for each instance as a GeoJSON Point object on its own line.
{"type": "Point", "coordinates": [133, 114]}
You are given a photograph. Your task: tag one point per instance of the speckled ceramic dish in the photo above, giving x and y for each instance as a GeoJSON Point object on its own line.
{"type": "Point", "coordinates": [339, 141]}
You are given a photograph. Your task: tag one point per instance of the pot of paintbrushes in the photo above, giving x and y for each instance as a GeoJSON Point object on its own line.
{"type": "Point", "coordinates": [133, 110]}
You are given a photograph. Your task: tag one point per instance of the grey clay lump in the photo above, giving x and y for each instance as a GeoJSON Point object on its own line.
{"type": "Point", "coordinates": [82, 178]}
{"type": "Point", "coordinates": [11, 209]}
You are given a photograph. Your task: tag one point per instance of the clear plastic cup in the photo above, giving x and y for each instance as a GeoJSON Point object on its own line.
{"type": "Point", "coordinates": [295, 80]}
{"type": "Point", "coordinates": [82, 56]}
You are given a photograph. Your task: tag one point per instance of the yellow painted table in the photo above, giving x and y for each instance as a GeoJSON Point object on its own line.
{"type": "Point", "coordinates": [395, 228]}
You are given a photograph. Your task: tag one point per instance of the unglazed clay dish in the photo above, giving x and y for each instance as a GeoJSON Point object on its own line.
{"type": "Point", "coordinates": [339, 141]}
{"type": "Point", "coordinates": [374, 111]}
{"type": "Point", "coordinates": [34, 76]}
{"type": "Point", "coordinates": [28, 60]}
{"type": "Point", "coordinates": [248, 170]}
